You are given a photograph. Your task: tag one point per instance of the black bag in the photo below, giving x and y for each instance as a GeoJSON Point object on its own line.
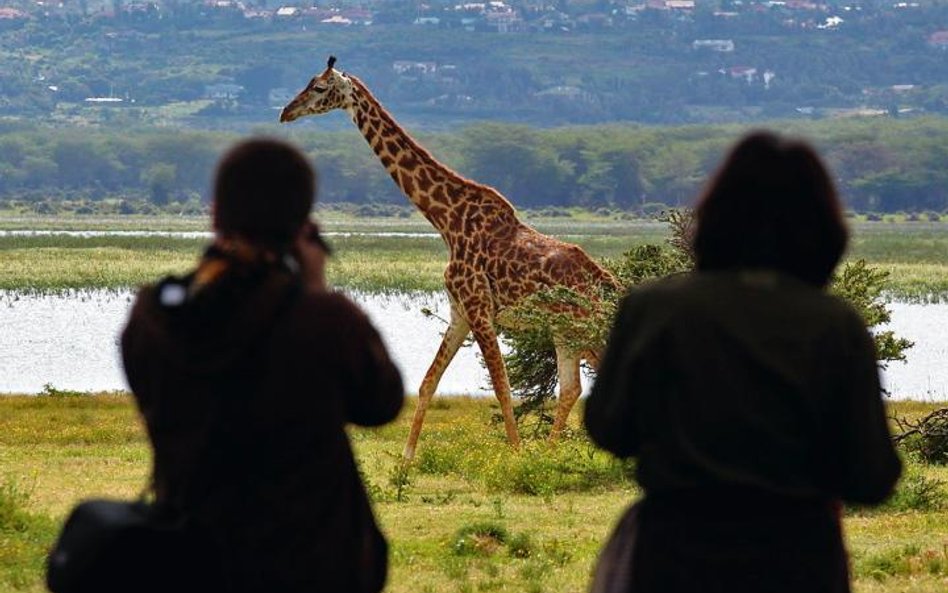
{"type": "Point", "coordinates": [115, 546]}
{"type": "Point", "coordinates": [613, 570]}
{"type": "Point", "coordinates": [110, 545]}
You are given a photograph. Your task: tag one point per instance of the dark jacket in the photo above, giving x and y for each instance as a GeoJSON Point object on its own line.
{"type": "Point", "coordinates": [746, 379]}
{"type": "Point", "coordinates": [246, 389]}
{"type": "Point", "coordinates": [752, 404]}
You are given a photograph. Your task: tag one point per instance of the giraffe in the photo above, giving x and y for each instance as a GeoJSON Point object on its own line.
{"type": "Point", "coordinates": [495, 259]}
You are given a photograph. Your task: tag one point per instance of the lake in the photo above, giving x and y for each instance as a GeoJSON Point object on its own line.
{"type": "Point", "coordinates": [70, 342]}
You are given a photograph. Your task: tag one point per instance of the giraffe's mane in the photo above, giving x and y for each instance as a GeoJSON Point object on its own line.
{"type": "Point", "coordinates": [421, 150]}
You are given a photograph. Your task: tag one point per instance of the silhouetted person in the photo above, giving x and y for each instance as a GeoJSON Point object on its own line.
{"type": "Point", "coordinates": [749, 396]}
{"type": "Point", "coordinates": [246, 372]}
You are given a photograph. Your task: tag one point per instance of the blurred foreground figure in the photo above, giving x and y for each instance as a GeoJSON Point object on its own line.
{"type": "Point", "coordinates": [246, 372]}
{"type": "Point", "coordinates": [748, 394]}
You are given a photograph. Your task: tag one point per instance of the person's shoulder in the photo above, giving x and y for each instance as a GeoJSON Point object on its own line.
{"type": "Point", "coordinates": [838, 308]}
{"type": "Point", "coordinates": [143, 304]}
{"type": "Point", "coordinates": [667, 289]}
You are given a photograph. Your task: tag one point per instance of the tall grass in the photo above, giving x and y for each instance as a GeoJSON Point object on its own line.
{"type": "Point", "coordinates": [913, 254]}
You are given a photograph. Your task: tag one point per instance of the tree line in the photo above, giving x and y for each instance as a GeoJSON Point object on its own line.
{"type": "Point", "coordinates": [880, 164]}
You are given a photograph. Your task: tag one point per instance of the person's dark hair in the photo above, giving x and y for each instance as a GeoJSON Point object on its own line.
{"type": "Point", "coordinates": [264, 190]}
{"type": "Point", "coordinates": [771, 205]}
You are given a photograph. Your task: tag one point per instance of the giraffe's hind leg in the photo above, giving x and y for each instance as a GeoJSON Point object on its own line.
{"type": "Point", "coordinates": [457, 331]}
{"type": "Point", "coordinates": [567, 372]}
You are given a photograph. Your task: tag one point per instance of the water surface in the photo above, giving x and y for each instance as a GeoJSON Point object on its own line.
{"type": "Point", "coordinates": [70, 342]}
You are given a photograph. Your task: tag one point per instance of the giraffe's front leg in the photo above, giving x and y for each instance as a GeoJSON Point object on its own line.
{"type": "Point", "coordinates": [483, 328]}
{"type": "Point", "coordinates": [457, 331]}
{"type": "Point", "coordinates": [567, 373]}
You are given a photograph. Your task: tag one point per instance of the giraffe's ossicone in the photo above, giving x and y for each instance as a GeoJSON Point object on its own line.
{"type": "Point", "coordinates": [495, 259]}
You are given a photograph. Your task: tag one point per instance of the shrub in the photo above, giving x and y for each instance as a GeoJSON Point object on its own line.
{"type": "Point", "coordinates": [914, 492]}
{"type": "Point", "coordinates": [49, 390]}
{"type": "Point", "coordinates": [441, 460]}
{"type": "Point", "coordinates": [25, 538]}
{"type": "Point", "coordinates": [575, 465]}
{"type": "Point", "coordinates": [926, 438]}
{"type": "Point", "coordinates": [13, 500]}
{"type": "Point", "coordinates": [653, 209]}
{"type": "Point", "coordinates": [479, 539]}
{"type": "Point", "coordinates": [902, 561]}
{"type": "Point", "coordinates": [917, 492]}
{"type": "Point", "coordinates": [521, 545]}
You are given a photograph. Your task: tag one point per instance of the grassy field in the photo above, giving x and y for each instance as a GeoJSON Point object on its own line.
{"type": "Point", "coordinates": [470, 515]}
{"type": "Point", "coordinates": [391, 255]}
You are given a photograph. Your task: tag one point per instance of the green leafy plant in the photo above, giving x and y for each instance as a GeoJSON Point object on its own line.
{"type": "Point", "coordinates": [400, 479]}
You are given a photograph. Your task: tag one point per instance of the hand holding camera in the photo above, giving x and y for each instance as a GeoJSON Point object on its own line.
{"type": "Point", "coordinates": [311, 251]}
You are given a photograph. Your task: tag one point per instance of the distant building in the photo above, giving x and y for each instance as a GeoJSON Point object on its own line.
{"type": "Point", "coordinates": [407, 67]}
{"type": "Point", "coordinates": [288, 11]}
{"type": "Point", "coordinates": [336, 19]}
{"type": "Point", "coordinates": [804, 5]}
{"type": "Point", "coordinates": [257, 14]}
{"type": "Point", "coordinates": [682, 5]}
{"type": "Point", "coordinates": [832, 22]}
{"type": "Point", "coordinates": [721, 45]}
{"type": "Point", "coordinates": [939, 40]}
{"type": "Point", "coordinates": [567, 93]}
{"type": "Point", "coordinates": [504, 22]}
{"type": "Point", "coordinates": [595, 20]}
{"type": "Point", "coordinates": [223, 91]}
{"type": "Point", "coordinates": [748, 73]}
{"type": "Point", "coordinates": [12, 14]}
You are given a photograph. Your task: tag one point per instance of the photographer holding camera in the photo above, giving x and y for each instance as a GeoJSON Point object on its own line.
{"type": "Point", "coordinates": [246, 372]}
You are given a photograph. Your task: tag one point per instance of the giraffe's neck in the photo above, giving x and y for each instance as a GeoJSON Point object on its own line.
{"type": "Point", "coordinates": [432, 187]}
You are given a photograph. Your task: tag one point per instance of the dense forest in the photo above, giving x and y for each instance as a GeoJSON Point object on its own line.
{"type": "Point", "coordinates": [881, 165]}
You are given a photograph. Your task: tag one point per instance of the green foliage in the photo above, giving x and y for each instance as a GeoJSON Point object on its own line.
{"type": "Point", "coordinates": [521, 545]}
{"type": "Point", "coordinates": [916, 491]}
{"type": "Point", "coordinates": [903, 561]}
{"type": "Point", "coordinates": [537, 469]}
{"type": "Point", "coordinates": [400, 479]}
{"type": "Point", "coordinates": [13, 499]}
{"type": "Point", "coordinates": [50, 391]}
{"type": "Point", "coordinates": [541, 470]}
{"type": "Point", "coordinates": [24, 537]}
{"type": "Point", "coordinates": [863, 286]}
{"type": "Point", "coordinates": [883, 166]}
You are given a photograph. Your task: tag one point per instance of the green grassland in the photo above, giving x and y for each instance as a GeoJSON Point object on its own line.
{"type": "Point", "coordinates": [394, 255]}
{"type": "Point", "coordinates": [470, 515]}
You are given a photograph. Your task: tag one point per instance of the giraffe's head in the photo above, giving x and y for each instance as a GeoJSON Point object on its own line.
{"type": "Point", "coordinates": [326, 91]}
